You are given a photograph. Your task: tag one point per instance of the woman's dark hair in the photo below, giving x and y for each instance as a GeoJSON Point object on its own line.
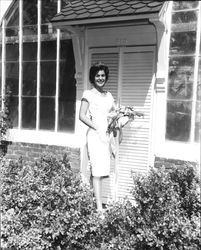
{"type": "Point", "coordinates": [94, 70]}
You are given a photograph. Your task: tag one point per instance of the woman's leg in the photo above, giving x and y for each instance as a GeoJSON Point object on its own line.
{"type": "Point", "coordinates": [97, 185]}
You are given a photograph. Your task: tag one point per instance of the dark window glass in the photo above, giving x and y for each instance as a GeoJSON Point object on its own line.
{"type": "Point", "coordinates": [29, 113]}
{"type": "Point", "coordinates": [200, 44]}
{"type": "Point", "coordinates": [48, 50]}
{"type": "Point", "coordinates": [49, 10]}
{"type": "Point", "coordinates": [181, 75]}
{"type": "Point", "coordinates": [63, 3]}
{"type": "Point", "coordinates": [0, 79]}
{"type": "Point", "coordinates": [184, 21]}
{"type": "Point", "coordinates": [183, 42]}
{"type": "Point", "coordinates": [13, 110]}
{"type": "Point", "coordinates": [0, 49]}
{"type": "Point", "coordinates": [198, 107]}
{"type": "Point", "coordinates": [29, 31]}
{"type": "Point", "coordinates": [181, 5]}
{"type": "Point", "coordinates": [67, 87]}
{"type": "Point", "coordinates": [30, 12]}
{"type": "Point", "coordinates": [47, 113]}
{"type": "Point", "coordinates": [30, 18]}
{"type": "Point", "coordinates": [30, 51]}
{"type": "Point", "coordinates": [199, 82]}
{"type": "Point", "coordinates": [12, 52]}
{"type": "Point", "coordinates": [184, 17]}
{"type": "Point", "coordinates": [12, 77]}
{"type": "Point", "coordinates": [29, 78]}
{"type": "Point", "coordinates": [12, 20]}
{"type": "Point", "coordinates": [48, 78]}
{"type": "Point", "coordinates": [178, 121]}
{"type": "Point", "coordinates": [12, 32]}
{"type": "Point", "coordinates": [198, 121]}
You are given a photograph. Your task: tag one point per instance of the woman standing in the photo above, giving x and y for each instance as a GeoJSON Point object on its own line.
{"type": "Point", "coordinates": [96, 104]}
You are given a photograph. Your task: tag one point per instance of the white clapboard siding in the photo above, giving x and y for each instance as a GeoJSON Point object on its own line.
{"type": "Point", "coordinates": [111, 59]}
{"type": "Point", "coordinates": [136, 90]}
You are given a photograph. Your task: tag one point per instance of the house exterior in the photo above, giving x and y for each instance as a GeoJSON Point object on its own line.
{"type": "Point", "coordinates": [153, 51]}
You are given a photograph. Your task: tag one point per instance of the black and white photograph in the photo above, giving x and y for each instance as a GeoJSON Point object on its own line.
{"type": "Point", "coordinates": [100, 125]}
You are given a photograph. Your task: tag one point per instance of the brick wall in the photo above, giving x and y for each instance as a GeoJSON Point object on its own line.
{"type": "Point", "coordinates": [31, 152]}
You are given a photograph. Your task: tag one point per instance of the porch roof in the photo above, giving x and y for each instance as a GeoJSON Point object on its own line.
{"type": "Point", "coordinates": [98, 11]}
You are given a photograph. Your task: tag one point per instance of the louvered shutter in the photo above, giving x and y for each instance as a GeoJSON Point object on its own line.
{"type": "Point", "coordinates": [111, 59]}
{"type": "Point", "coordinates": [136, 90]}
{"type": "Point", "coordinates": [130, 81]}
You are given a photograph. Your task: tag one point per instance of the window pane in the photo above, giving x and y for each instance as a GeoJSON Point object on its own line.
{"type": "Point", "coordinates": [29, 31]}
{"type": "Point", "coordinates": [12, 20]}
{"type": "Point", "coordinates": [12, 52]}
{"type": "Point", "coordinates": [198, 122]}
{"type": "Point", "coordinates": [0, 77]}
{"type": "Point", "coordinates": [30, 51]}
{"type": "Point", "coordinates": [13, 109]}
{"type": "Point", "coordinates": [66, 115]}
{"type": "Point", "coordinates": [184, 21]}
{"type": "Point", "coordinates": [67, 87]}
{"type": "Point", "coordinates": [184, 17]}
{"type": "Point", "coordinates": [12, 77]}
{"type": "Point", "coordinates": [29, 78]}
{"type": "Point", "coordinates": [178, 121]}
{"type": "Point", "coordinates": [48, 78]}
{"type": "Point", "coordinates": [198, 107]}
{"type": "Point", "coordinates": [49, 10]}
{"type": "Point", "coordinates": [182, 42]}
{"type": "Point", "coordinates": [12, 17]}
{"type": "Point", "coordinates": [180, 5]}
{"type": "Point", "coordinates": [0, 49]}
{"type": "Point", "coordinates": [12, 31]}
{"type": "Point", "coordinates": [63, 3]}
{"type": "Point", "coordinates": [30, 12]}
{"type": "Point", "coordinates": [29, 113]}
{"type": "Point", "coordinates": [48, 50]}
{"type": "Point", "coordinates": [200, 43]}
{"type": "Point", "coordinates": [181, 75]}
{"type": "Point", "coordinates": [199, 82]}
{"type": "Point", "coordinates": [47, 113]}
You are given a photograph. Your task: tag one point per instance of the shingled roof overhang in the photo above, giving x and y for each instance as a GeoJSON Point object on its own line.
{"type": "Point", "coordinates": [80, 12]}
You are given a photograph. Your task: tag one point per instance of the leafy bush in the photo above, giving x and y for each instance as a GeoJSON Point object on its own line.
{"type": "Point", "coordinates": [5, 122]}
{"type": "Point", "coordinates": [45, 206]}
{"type": "Point", "coordinates": [169, 203]}
{"type": "Point", "coordinates": [166, 214]}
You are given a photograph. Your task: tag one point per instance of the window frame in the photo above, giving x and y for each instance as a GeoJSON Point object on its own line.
{"type": "Point", "coordinates": [196, 57]}
{"type": "Point", "coordinates": [37, 135]}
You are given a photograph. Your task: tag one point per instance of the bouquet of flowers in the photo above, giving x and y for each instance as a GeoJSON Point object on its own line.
{"type": "Point", "coordinates": [119, 117]}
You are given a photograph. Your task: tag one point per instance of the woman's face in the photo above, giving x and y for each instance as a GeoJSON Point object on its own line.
{"type": "Point", "coordinates": [100, 79]}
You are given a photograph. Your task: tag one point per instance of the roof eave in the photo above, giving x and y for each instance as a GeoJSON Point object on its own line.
{"type": "Point", "coordinates": [99, 20]}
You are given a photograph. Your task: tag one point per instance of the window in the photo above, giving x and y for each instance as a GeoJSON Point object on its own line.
{"type": "Point", "coordinates": [12, 61]}
{"type": "Point", "coordinates": [183, 107]}
{"type": "Point", "coordinates": [67, 89]}
{"type": "Point", "coordinates": [39, 69]}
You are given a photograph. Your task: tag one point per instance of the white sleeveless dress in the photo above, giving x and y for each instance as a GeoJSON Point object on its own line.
{"type": "Point", "coordinates": [100, 105]}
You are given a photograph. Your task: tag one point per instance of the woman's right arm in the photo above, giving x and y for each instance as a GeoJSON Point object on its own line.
{"type": "Point", "coordinates": [83, 115]}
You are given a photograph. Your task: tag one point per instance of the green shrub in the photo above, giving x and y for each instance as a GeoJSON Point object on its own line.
{"type": "Point", "coordinates": [45, 206]}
